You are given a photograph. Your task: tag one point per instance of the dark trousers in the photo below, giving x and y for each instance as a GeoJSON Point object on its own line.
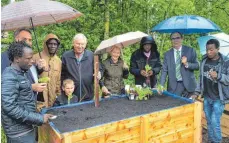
{"type": "Point", "coordinates": [27, 138]}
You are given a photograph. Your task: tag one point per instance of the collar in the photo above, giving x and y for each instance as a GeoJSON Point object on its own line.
{"type": "Point", "coordinates": [175, 50]}
{"type": "Point", "coordinates": [18, 70]}
{"type": "Point", "coordinates": [112, 62]}
{"type": "Point", "coordinates": [147, 54]}
{"type": "Point", "coordinates": [84, 55]}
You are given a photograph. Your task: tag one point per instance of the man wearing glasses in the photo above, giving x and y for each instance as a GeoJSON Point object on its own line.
{"type": "Point", "coordinates": [179, 65]}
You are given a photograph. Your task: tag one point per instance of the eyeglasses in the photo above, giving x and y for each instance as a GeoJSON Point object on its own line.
{"type": "Point", "coordinates": [176, 38]}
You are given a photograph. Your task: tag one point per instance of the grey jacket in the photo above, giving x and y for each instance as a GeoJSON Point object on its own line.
{"type": "Point", "coordinates": [223, 78]}
{"type": "Point", "coordinates": [18, 103]}
{"type": "Point", "coordinates": [169, 68]}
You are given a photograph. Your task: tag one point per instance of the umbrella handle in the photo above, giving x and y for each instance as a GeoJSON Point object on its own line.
{"type": "Point", "coordinates": [31, 20]}
{"type": "Point", "coordinates": [122, 51]}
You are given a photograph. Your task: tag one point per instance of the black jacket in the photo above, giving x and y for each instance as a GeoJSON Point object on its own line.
{"type": "Point", "coordinates": [63, 100]}
{"type": "Point", "coordinates": [18, 103]}
{"type": "Point", "coordinates": [80, 72]}
{"type": "Point", "coordinates": [138, 62]}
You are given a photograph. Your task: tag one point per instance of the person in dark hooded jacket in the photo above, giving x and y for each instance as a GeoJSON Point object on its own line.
{"type": "Point", "coordinates": [146, 55]}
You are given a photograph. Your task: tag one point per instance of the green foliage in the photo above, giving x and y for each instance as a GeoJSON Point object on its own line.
{"type": "Point", "coordinates": [3, 136]}
{"type": "Point", "coordinates": [125, 16]}
{"type": "Point", "coordinates": [160, 88]}
{"type": "Point", "coordinates": [143, 93]}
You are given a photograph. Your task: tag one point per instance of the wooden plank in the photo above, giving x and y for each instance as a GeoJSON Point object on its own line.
{"type": "Point", "coordinates": [106, 129]}
{"type": "Point", "coordinates": [170, 129]}
{"type": "Point", "coordinates": [170, 113]}
{"type": "Point", "coordinates": [96, 82]}
{"type": "Point", "coordinates": [144, 129]}
{"type": "Point", "coordinates": [100, 139]}
{"type": "Point", "coordinates": [198, 108]}
{"type": "Point", "coordinates": [47, 135]}
{"type": "Point", "coordinates": [185, 140]}
{"type": "Point", "coordinates": [173, 136]}
{"type": "Point", "coordinates": [67, 138]}
{"type": "Point", "coordinates": [184, 119]}
{"type": "Point", "coordinates": [123, 135]}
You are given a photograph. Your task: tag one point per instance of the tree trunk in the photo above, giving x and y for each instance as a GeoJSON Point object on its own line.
{"type": "Point", "coordinates": [107, 20]}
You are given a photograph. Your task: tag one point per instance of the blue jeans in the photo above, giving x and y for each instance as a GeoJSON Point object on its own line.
{"type": "Point", "coordinates": [213, 111]}
{"type": "Point", "coordinates": [27, 138]}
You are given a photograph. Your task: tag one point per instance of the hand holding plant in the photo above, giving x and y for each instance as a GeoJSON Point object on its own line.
{"type": "Point", "coordinates": [160, 89]}
{"type": "Point", "coordinates": [148, 69]}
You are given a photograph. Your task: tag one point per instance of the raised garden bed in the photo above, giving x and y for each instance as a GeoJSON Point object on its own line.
{"type": "Point", "coordinates": [163, 118]}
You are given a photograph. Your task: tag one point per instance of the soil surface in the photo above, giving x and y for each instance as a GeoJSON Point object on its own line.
{"type": "Point", "coordinates": [205, 137]}
{"type": "Point", "coordinates": [86, 115]}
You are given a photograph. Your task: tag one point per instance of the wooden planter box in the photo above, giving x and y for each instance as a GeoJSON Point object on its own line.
{"type": "Point", "coordinates": [180, 124]}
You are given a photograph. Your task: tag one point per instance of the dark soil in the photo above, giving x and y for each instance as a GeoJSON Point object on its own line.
{"type": "Point", "coordinates": [205, 137]}
{"type": "Point", "coordinates": [86, 115]}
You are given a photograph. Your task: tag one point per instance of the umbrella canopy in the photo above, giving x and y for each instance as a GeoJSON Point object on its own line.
{"type": "Point", "coordinates": [31, 13]}
{"type": "Point", "coordinates": [186, 24]}
{"type": "Point", "coordinates": [121, 41]}
{"type": "Point", "coordinates": [41, 12]}
{"type": "Point", "coordinates": [223, 39]}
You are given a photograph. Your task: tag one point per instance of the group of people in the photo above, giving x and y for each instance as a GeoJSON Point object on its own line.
{"type": "Point", "coordinates": [71, 78]}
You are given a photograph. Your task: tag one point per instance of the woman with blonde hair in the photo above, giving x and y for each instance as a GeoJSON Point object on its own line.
{"type": "Point", "coordinates": [113, 70]}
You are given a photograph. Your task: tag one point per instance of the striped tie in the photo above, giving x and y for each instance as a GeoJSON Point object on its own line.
{"type": "Point", "coordinates": [178, 64]}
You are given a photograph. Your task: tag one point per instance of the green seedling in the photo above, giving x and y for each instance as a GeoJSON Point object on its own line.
{"type": "Point", "coordinates": [69, 98]}
{"type": "Point", "coordinates": [143, 93]}
{"type": "Point", "coordinates": [43, 80]}
{"type": "Point", "coordinates": [147, 67]}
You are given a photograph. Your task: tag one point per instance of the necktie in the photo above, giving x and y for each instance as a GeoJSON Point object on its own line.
{"type": "Point", "coordinates": [178, 65]}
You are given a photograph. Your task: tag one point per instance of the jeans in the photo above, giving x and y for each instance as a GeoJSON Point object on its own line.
{"type": "Point", "coordinates": [213, 111]}
{"type": "Point", "coordinates": [27, 138]}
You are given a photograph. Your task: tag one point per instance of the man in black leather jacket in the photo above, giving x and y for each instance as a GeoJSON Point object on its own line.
{"type": "Point", "coordinates": [18, 100]}
{"type": "Point", "coordinates": [147, 54]}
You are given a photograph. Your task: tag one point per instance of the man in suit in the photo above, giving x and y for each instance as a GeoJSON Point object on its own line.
{"type": "Point", "coordinates": [179, 65]}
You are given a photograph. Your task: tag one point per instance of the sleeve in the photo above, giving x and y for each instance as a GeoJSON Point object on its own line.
{"type": "Point", "coordinates": [125, 73]}
{"type": "Point", "coordinates": [10, 94]}
{"type": "Point", "coordinates": [164, 71]}
{"type": "Point", "coordinates": [102, 70]}
{"type": "Point", "coordinates": [199, 84]}
{"type": "Point", "coordinates": [223, 77]}
{"type": "Point", "coordinates": [58, 83]}
{"type": "Point", "coordinates": [133, 66]}
{"type": "Point", "coordinates": [193, 64]}
{"type": "Point", "coordinates": [156, 69]}
{"type": "Point", "coordinates": [63, 69]}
